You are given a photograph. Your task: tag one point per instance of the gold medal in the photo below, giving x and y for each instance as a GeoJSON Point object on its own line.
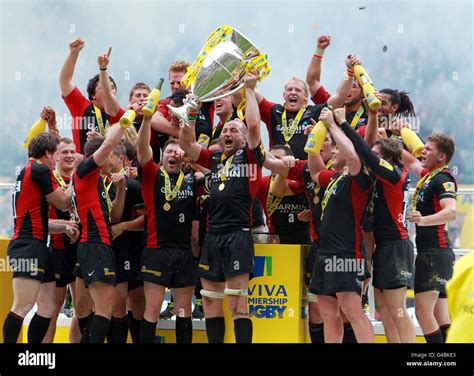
{"type": "Point", "coordinates": [316, 200]}
{"type": "Point", "coordinates": [166, 206]}
{"type": "Point", "coordinates": [221, 186]}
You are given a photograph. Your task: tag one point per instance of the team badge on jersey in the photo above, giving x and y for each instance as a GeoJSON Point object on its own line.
{"type": "Point", "coordinates": [449, 186]}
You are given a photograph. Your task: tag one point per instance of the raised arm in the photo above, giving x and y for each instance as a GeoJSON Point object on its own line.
{"type": "Point", "coordinates": [411, 163]}
{"type": "Point", "coordinates": [377, 165]}
{"type": "Point", "coordinates": [280, 186]}
{"type": "Point", "coordinates": [313, 75]}
{"type": "Point", "coordinates": [252, 113]}
{"type": "Point", "coordinates": [371, 131]}
{"type": "Point", "coordinates": [114, 136]}
{"type": "Point", "coordinates": [111, 104]}
{"type": "Point", "coordinates": [67, 71]}
{"type": "Point", "coordinates": [144, 150]}
{"type": "Point", "coordinates": [343, 143]}
{"type": "Point", "coordinates": [337, 100]}
{"type": "Point", "coordinates": [160, 124]}
{"type": "Point", "coordinates": [187, 137]}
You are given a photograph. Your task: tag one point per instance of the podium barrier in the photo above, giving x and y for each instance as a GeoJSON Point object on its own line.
{"type": "Point", "coordinates": [275, 296]}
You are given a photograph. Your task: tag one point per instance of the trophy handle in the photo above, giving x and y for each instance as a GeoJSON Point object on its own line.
{"type": "Point", "coordinates": [182, 112]}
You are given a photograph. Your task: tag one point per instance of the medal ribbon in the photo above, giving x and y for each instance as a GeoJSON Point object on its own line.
{"type": "Point", "coordinates": [272, 201]}
{"type": "Point", "coordinates": [171, 194]}
{"type": "Point", "coordinates": [289, 132]}
{"type": "Point", "coordinates": [423, 181]}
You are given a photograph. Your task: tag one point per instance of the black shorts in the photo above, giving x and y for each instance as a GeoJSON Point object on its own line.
{"type": "Point", "coordinates": [226, 255]}
{"type": "Point", "coordinates": [123, 267]}
{"type": "Point", "coordinates": [64, 262]}
{"type": "Point", "coordinates": [310, 260]}
{"type": "Point", "coordinates": [393, 265]}
{"type": "Point", "coordinates": [169, 267]}
{"type": "Point", "coordinates": [29, 258]}
{"type": "Point", "coordinates": [135, 257]}
{"type": "Point", "coordinates": [433, 268]}
{"type": "Point", "coordinates": [337, 273]}
{"type": "Point", "coordinates": [96, 263]}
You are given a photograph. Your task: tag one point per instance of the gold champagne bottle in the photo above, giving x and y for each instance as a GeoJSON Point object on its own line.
{"type": "Point", "coordinates": [128, 118]}
{"type": "Point", "coordinates": [36, 129]}
{"type": "Point", "coordinates": [153, 99]}
{"type": "Point", "coordinates": [412, 141]}
{"type": "Point", "coordinates": [316, 139]}
{"type": "Point", "coordinates": [367, 87]}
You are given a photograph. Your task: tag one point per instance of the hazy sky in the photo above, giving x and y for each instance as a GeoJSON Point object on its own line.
{"type": "Point", "coordinates": [148, 35]}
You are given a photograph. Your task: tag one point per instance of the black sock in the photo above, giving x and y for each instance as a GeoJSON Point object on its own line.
{"type": "Point", "coordinates": [83, 322]}
{"type": "Point", "coordinates": [99, 327]}
{"type": "Point", "coordinates": [119, 329]}
{"type": "Point", "coordinates": [147, 331]}
{"type": "Point", "coordinates": [184, 330]}
{"type": "Point", "coordinates": [316, 332]}
{"type": "Point", "coordinates": [215, 328]}
{"type": "Point", "coordinates": [38, 328]}
{"type": "Point", "coordinates": [243, 330]}
{"type": "Point", "coordinates": [444, 331]}
{"type": "Point", "coordinates": [12, 328]}
{"type": "Point", "coordinates": [349, 335]}
{"type": "Point", "coordinates": [134, 327]}
{"type": "Point", "coordinates": [435, 337]}
{"type": "Point", "coordinates": [110, 333]}
{"type": "Point", "coordinates": [86, 322]}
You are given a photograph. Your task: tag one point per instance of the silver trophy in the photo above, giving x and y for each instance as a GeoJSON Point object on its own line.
{"type": "Point", "coordinates": [221, 73]}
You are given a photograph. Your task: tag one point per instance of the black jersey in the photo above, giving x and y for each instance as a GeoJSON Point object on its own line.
{"type": "Point", "coordinates": [133, 201]}
{"type": "Point", "coordinates": [232, 194]}
{"type": "Point", "coordinates": [168, 224]}
{"type": "Point", "coordinates": [283, 218]}
{"type": "Point", "coordinates": [440, 186]}
{"type": "Point", "coordinates": [271, 114]}
{"type": "Point", "coordinates": [390, 192]}
{"type": "Point", "coordinates": [343, 207]}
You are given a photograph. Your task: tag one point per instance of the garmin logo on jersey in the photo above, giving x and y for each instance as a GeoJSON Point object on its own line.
{"type": "Point", "coordinates": [299, 129]}
{"type": "Point", "coordinates": [37, 359]}
{"type": "Point", "coordinates": [182, 193]}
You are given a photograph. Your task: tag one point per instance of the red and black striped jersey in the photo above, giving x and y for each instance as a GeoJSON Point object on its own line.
{"type": "Point", "coordinates": [232, 197]}
{"type": "Point", "coordinates": [30, 207]}
{"type": "Point", "coordinates": [343, 206]}
{"type": "Point", "coordinates": [84, 118]}
{"type": "Point", "coordinates": [442, 185]}
{"type": "Point", "coordinates": [284, 219]}
{"type": "Point", "coordinates": [168, 224]}
{"type": "Point", "coordinates": [90, 198]}
{"type": "Point", "coordinates": [390, 191]}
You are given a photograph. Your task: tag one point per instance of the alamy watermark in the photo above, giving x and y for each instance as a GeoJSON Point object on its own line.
{"type": "Point", "coordinates": [23, 265]}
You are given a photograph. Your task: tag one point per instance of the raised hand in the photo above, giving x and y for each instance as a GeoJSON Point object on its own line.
{"type": "Point", "coordinates": [76, 45]}
{"type": "Point", "coordinates": [104, 59]}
